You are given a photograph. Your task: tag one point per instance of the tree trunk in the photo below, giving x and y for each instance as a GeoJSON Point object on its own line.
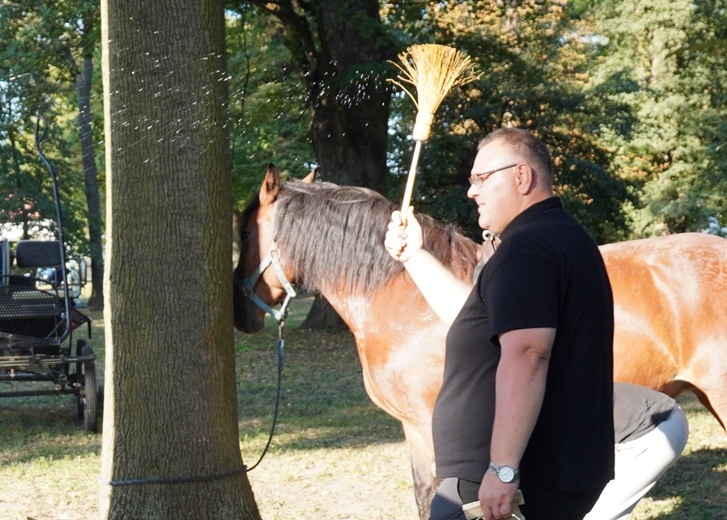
{"type": "Point", "coordinates": [170, 445]}
{"type": "Point", "coordinates": [322, 316]}
{"type": "Point", "coordinates": [350, 94]}
{"type": "Point", "coordinates": [90, 176]}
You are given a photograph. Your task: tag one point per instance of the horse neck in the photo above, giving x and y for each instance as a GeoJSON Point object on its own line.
{"type": "Point", "coordinates": [365, 311]}
{"type": "Point", "coordinates": [332, 238]}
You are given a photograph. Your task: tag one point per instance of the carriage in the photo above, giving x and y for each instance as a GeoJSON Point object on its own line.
{"type": "Point", "coordinates": [38, 319]}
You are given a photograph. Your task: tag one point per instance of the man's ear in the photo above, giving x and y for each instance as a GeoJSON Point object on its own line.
{"type": "Point", "coordinates": [525, 178]}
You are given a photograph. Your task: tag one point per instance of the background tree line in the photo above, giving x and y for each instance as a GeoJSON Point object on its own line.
{"type": "Point", "coordinates": [630, 97]}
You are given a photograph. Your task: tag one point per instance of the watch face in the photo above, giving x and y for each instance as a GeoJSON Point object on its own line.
{"type": "Point", "coordinates": [506, 474]}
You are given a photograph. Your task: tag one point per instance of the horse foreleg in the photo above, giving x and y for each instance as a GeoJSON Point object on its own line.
{"type": "Point", "coordinates": [421, 455]}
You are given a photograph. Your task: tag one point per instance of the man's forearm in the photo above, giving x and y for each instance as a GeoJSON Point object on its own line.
{"type": "Point", "coordinates": [444, 292]}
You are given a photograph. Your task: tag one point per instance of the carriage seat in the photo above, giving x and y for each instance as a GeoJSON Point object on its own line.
{"type": "Point", "coordinates": [32, 254]}
{"type": "Point", "coordinates": [25, 309]}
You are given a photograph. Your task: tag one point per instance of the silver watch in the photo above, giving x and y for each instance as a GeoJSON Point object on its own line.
{"type": "Point", "coordinates": [506, 474]}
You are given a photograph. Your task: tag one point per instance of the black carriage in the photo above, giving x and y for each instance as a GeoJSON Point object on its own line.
{"type": "Point", "coordinates": [38, 318]}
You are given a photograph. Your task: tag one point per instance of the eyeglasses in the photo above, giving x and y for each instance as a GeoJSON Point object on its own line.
{"type": "Point", "coordinates": [478, 179]}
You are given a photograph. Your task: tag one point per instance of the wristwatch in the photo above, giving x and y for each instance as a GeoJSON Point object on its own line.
{"type": "Point", "coordinates": [506, 474]}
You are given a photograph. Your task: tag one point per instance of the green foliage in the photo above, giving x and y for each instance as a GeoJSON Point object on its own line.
{"type": "Point", "coordinates": [630, 97]}
{"type": "Point", "coordinates": [268, 106]}
{"type": "Point", "coordinates": [665, 61]}
{"type": "Point", "coordinates": [36, 79]}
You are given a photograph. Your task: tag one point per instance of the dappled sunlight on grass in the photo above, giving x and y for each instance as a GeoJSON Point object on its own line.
{"type": "Point", "coordinates": [367, 429]}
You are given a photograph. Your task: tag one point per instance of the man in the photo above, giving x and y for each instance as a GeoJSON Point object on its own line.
{"type": "Point", "coordinates": [527, 394]}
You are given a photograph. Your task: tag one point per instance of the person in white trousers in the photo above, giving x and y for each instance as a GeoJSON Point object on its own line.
{"type": "Point", "coordinates": [651, 432]}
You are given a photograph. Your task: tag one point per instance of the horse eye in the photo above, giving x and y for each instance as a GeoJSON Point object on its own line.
{"type": "Point", "coordinates": [245, 235]}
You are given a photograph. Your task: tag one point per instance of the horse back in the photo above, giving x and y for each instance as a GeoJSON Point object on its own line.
{"type": "Point", "coordinates": [670, 297]}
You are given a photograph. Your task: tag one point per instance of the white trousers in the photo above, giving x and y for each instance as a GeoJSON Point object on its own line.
{"type": "Point", "coordinates": [639, 464]}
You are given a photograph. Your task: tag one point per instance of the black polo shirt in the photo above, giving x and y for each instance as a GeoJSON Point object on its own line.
{"type": "Point", "coordinates": [547, 272]}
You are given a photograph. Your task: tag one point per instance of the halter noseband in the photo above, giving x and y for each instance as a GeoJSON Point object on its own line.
{"type": "Point", "coordinates": [247, 285]}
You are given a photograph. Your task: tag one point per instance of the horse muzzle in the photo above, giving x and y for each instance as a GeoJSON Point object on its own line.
{"type": "Point", "coordinates": [248, 317]}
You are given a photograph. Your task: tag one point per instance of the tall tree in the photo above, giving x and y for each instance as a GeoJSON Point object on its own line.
{"type": "Point", "coordinates": [87, 36]}
{"type": "Point", "coordinates": [52, 50]}
{"type": "Point", "coordinates": [340, 49]}
{"type": "Point", "coordinates": [268, 112]}
{"type": "Point", "coordinates": [170, 445]}
{"type": "Point", "coordinates": [664, 59]}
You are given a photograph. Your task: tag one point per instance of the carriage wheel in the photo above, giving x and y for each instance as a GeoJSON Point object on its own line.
{"type": "Point", "coordinates": [89, 395]}
{"type": "Point", "coordinates": [80, 346]}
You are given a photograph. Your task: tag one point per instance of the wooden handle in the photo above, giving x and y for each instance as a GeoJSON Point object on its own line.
{"type": "Point", "coordinates": [410, 181]}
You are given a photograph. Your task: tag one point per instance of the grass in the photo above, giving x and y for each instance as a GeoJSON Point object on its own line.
{"type": "Point", "coordinates": [334, 454]}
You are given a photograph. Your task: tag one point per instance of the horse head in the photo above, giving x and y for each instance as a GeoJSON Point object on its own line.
{"type": "Point", "coordinates": [261, 281]}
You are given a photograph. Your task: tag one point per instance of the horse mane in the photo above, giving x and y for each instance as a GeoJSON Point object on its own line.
{"type": "Point", "coordinates": [334, 235]}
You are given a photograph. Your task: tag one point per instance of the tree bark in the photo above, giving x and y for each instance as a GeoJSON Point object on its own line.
{"type": "Point", "coordinates": [350, 94]}
{"type": "Point", "coordinates": [346, 82]}
{"type": "Point", "coordinates": [171, 442]}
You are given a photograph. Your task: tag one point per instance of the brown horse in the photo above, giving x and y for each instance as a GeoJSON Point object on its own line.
{"type": "Point", "coordinates": [670, 297]}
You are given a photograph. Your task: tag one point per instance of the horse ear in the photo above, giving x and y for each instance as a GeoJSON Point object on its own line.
{"type": "Point", "coordinates": [271, 185]}
{"type": "Point", "coordinates": [308, 179]}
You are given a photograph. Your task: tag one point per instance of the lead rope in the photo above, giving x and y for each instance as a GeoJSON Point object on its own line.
{"type": "Point", "coordinates": [281, 362]}
{"type": "Point", "coordinates": [279, 316]}
{"type": "Point", "coordinates": [247, 285]}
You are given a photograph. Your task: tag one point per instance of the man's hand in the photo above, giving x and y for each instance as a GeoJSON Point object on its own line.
{"type": "Point", "coordinates": [403, 239]}
{"type": "Point", "coordinates": [497, 497]}
{"type": "Point", "coordinates": [444, 292]}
